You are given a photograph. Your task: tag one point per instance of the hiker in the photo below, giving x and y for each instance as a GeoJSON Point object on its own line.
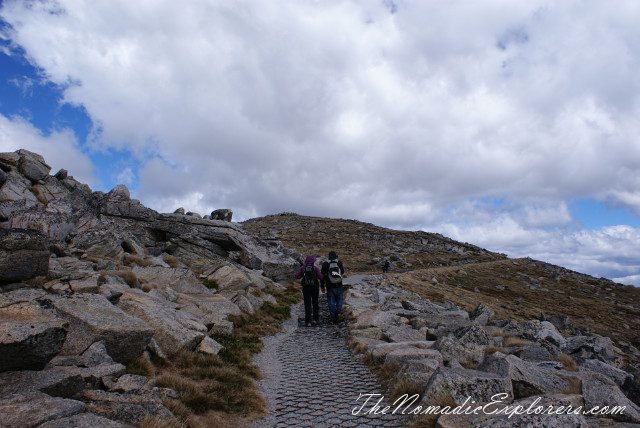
{"type": "Point", "coordinates": [310, 275]}
{"type": "Point", "coordinates": [333, 270]}
{"type": "Point", "coordinates": [385, 268]}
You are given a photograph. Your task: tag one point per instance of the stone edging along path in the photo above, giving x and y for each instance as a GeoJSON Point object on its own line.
{"type": "Point", "coordinates": [312, 379]}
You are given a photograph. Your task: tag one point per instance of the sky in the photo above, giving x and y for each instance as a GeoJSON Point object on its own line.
{"type": "Point", "coordinates": [513, 125]}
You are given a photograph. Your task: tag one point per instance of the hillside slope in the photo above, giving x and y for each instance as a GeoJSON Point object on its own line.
{"type": "Point", "coordinates": [442, 269]}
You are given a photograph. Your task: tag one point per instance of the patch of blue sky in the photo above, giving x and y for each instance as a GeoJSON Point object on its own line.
{"type": "Point", "coordinates": [27, 93]}
{"type": "Point", "coordinates": [592, 214]}
{"type": "Point", "coordinates": [113, 167]}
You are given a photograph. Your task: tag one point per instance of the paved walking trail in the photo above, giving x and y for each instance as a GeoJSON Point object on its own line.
{"type": "Point", "coordinates": [311, 378]}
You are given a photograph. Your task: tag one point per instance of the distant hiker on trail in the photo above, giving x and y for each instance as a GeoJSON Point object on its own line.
{"type": "Point", "coordinates": [333, 271]}
{"type": "Point", "coordinates": [310, 275]}
{"type": "Point", "coordinates": [385, 267]}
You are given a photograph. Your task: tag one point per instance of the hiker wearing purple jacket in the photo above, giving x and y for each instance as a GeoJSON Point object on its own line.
{"type": "Point", "coordinates": [310, 275]}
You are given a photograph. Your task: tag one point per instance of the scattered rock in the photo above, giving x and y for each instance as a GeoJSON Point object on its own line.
{"type": "Point", "coordinates": [222, 214]}
{"type": "Point", "coordinates": [209, 346]}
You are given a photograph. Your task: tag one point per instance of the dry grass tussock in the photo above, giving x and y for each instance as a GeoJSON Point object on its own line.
{"type": "Point", "coordinates": [568, 363]}
{"type": "Point", "coordinates": [171, 261]}
{"type": "Point", "coordinates": [509, 341]}
{"type": "Point", "coordinates": [130, 260]}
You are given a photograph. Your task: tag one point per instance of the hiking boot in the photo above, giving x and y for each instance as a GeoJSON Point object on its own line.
{"type": "Point", "coordinates": [340, 318]}
{"type": "Point", "coordinates": [308, 324]}
{"type": "Point", "coordinates": [314, 322]}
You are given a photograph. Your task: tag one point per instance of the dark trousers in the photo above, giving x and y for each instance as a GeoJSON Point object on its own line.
{"type": "Point", "coordinates": [311, 301]}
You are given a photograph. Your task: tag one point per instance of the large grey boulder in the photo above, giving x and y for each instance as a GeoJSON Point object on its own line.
{"type": "Point", "coordinates": [222, 214]}
{"type": "Point", "coordinates": [30, 336]}
{"type": "Point", "coordinates": [24, 254]}
{"type": "Point", "coordinates": [33, 409]}
{"type": "Point", "coordinates": [541, 331]}
{"type": "Point", "coordinates": [418, 372]}
{"type": "Point", "coordinates": [230, 277]}
{"type": "Point", "coordinates": [357, 301]}
{"type": "Point", "coordinates": [613, 373]}
{"type": "Point", "coordinates": [32, 165]}
{"type": "Point", "coordinates": [527, 378]}
{"type": "Point", "coordinates": [93, 318]}
{"type": "Point", "coordinates": [211, 309]}
{"type": "Point", "coordinates": [173, 329]}
{"type": "Point", "coordinates": [462, 384]}
{"type": "Point", "coordinates": [582, 348]}
{"type": "Point", "coordinates": [482, 314]}
{"type": "Point", "coordinates": [466, 345]}
{"type": "Point", "coordinates": [127, 383]}
{"type": "Point", "coordinates": [441, 324]}
{"type": "Point", "coordinates": [126, 408]}
{"type": "Point", "coordinates": [377, 318]}
{"type": "Point", "coordinates": [379, 351]}
{"type": "Point", "coordinates": [402, 333]}
{"type": "Point", "coordinates": [403, 355]}
{"type": "Point", "coordinates": [600, 391]}
{"type": "Point", "coordinates": [59, 382]}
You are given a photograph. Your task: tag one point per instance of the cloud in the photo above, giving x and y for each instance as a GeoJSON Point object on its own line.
{"type": "Point", "coordinates": [548, 234]}
{"type": "Point", "coordinates": [400, 113]}
{"type": "Point", "coordinates": [60, 149]}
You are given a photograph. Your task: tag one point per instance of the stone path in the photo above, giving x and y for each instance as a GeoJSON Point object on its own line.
{"type": "Point", "coordinates": [311, 378]}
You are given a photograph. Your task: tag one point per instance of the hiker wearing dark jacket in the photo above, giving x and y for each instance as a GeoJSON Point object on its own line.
{"type": "Point", "coordinates": [310, 275]}
{"type": "Point", "coordinates": [332, 270]}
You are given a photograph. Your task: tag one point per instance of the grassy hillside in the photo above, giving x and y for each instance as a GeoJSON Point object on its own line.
{"type": "Point", "coordinates": [442, 269]}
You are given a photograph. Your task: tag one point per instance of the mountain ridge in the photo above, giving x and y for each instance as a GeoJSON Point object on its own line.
{"type": "Point", "coordinates": [442, 269]}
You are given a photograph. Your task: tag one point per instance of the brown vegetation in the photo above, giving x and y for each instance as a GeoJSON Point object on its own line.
{"type": "Point", "coordinates": [130, 260]}
{"type": "Point", "coordinates": [171, 261]}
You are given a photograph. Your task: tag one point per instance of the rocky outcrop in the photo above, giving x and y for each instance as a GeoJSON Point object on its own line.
{"type": "Point", "coordinates": [90, 281]}
{"type": "Point", "coordinates": [461, 360]}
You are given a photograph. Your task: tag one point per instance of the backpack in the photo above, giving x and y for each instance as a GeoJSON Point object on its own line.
{"type": "Point", "coordinates": [309, 277]}
{"type": "Point", "coordinates": [335, 278]}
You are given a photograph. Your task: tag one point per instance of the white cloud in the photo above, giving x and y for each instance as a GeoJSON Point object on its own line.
{"type": "Point", "coordinates": [407, 117]}
{"type": "Point", "coordinates": [60, 148]}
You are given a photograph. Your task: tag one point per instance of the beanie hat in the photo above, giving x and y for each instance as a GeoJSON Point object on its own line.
{"type": "Point", "coordinates": [333, 255]}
